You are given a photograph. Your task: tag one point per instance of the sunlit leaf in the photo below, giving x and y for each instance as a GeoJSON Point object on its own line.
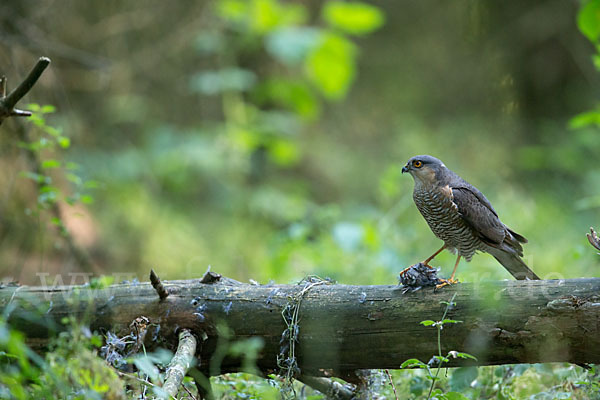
{"type": "Point", "coordinates": [284, 152]}
{"type": "Point", "coordinates": [50, 164]}
{"type": "Point", "coordinates": [47, 109]}
{"type": "Point", "coordinates": [261, 16]}
{"type": "Point", "coordinates": [101, 282]}
{"type": "Point", "coordinates": [232, 10]}
{"type": "Point", "coordinates": [269, 14]}
{"type": "Point", "coordinates": [64, 142]}
{"type": "Point", "coordinates": [585, 119]}
{"type": "Point", "coordinates": [450, 321]}
{"type": "Point", "coordinates": [353, 17]}
{"type": "Point", "coordinates": [588, 20]}
{"type": "Point", "coordinates": [331, 66]}
{"type": "Point", "coordinates": [34, 107]}
{"type": "Point", "coordinates": [427, 322]}
{"type": "Point", "coordinates": [87, 199]}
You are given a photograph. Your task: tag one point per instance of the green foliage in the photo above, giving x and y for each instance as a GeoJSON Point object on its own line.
{"type": "Point", "coordinates": [71, 369]}
{"type": "Point", "coordinates": [353, 17]}
{"type": "Point", "coordinates": [48, 142]}
{"type": "Point", "coordinates": [588, 20]}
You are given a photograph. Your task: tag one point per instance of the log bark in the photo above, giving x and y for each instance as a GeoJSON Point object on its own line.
{"type": "Point", "coordinates": [340, 328]}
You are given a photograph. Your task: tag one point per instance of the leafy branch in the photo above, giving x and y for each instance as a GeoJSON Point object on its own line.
{"type": "Point", "coordinates": [7, 103]}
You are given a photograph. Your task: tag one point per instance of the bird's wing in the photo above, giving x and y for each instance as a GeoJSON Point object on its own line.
{"type": "Point", "coordinates": [478, 212]}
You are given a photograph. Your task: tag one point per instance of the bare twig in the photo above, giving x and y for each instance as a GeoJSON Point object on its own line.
{"type": "Point", "coordinates": [181, 362]}
{"type": "Point", "coordinates": [7, 103]}
{"type": "Point", "coordinates": [387, 372]}
{"type": "Point", "coordinates": [594, 239]}
{"type": "Point", "coordinates": [332, 389]}
{"type": "Point", "coordinates": [158, 286]}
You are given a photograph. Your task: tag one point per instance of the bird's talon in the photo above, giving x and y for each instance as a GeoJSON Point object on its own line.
{"type": "Point", "coordinates": [446, 282]}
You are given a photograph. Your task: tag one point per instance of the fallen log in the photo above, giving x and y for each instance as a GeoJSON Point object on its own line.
{"type": "Point", "coordinates": [338, 328]}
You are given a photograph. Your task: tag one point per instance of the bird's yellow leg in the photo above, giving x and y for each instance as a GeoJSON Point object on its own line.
{"type": "Point", "coordinates": [451, 281]}
{"type": "Point", "coordinates": [426, 262]}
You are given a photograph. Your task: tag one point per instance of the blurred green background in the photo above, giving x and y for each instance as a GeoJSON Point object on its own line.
{"type": "Point", "coordinates": [265, 138]}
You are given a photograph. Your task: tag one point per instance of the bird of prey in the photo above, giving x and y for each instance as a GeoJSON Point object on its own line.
{"type": "Point", "coordinates": [463, 218]}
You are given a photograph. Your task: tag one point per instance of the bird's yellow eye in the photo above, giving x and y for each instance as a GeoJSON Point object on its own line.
{"type": "Point", "coordinates": [417, 164]}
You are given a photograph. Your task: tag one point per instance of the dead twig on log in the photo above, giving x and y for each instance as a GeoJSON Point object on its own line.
{"type": "Point", "coordinates": [158, 286]}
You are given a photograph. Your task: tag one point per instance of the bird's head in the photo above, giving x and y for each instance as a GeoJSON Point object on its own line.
{"type": "Point", "coordinates": [424, 169]}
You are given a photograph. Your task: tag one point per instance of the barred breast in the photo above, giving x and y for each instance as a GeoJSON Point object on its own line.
{"type": "Point", "coordinates": [443, 218]}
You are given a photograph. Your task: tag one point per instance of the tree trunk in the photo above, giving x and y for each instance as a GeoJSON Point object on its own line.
{"type": "Point", "coordinates": [341, 328]}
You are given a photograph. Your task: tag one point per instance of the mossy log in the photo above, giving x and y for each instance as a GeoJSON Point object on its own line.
{"type": "Point", "coordinates": [341, 328]}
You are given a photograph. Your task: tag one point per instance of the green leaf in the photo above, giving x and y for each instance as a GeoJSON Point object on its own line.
{"type": "Point", "coordinates": [331, 66]}
{"type": "Point", "coordinates": [56, 221]}
{"type": "Point", "coordinates": [87, 199]}
{"type": "Point", "coordinates": [91, 184]}
{"type": "Point", "coordinates": [33, 107]}
{"type": "Point", "coordinates": [50, 164]}
{"type": "Point", "coordinates": [585, 119]}
{"type": "Point", "coordinates": [101, 282]}
{"type": "Point", "coordinates": [47, 109]}
{"type": "Point", "coordinates": [412, 363]}
{"type": "Point", "coordinates": [71, 177]}
{"type": "Point", "coordinates": [64, 142]}
{"type": "Point", "coordinates": [284, 152]}
{"type": "Point", "coordinates": [455, 396]}
{"type": "Point", "coordinates": [146, 366]}
{"type": "Point", "coordinates": [450, 321]}
{"type": "Point", "coordinates": [588, 20]}
{"type": "Point", "coordinates": [462, 378]}
{"type": "Point", "coordinates": [52, 131]}
{"type": "Point", "coordinates": [353, 17]}
{"type": "Point", "coordinates": [39, 178]}
{"type": "Point", "coordinates": [294, 95]}
{"type": "Point", "coordinates": [427, 322]}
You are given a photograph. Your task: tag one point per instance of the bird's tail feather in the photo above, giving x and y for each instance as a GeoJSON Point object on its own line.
{"type": "Point", "coordinates": [514, 264]}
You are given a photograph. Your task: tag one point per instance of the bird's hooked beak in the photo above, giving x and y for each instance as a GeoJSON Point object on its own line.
{"type": "Point", "coordinates": [405, 168]}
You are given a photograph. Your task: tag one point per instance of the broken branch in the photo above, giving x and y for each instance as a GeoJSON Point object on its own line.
{"type": "Point", "coordinates": [7, 103]}
{"type": "Point", "coordinates": [181, 362]}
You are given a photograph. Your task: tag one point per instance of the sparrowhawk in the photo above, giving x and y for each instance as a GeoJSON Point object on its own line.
{"type": "Point", "coordinates": [463, 218]}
